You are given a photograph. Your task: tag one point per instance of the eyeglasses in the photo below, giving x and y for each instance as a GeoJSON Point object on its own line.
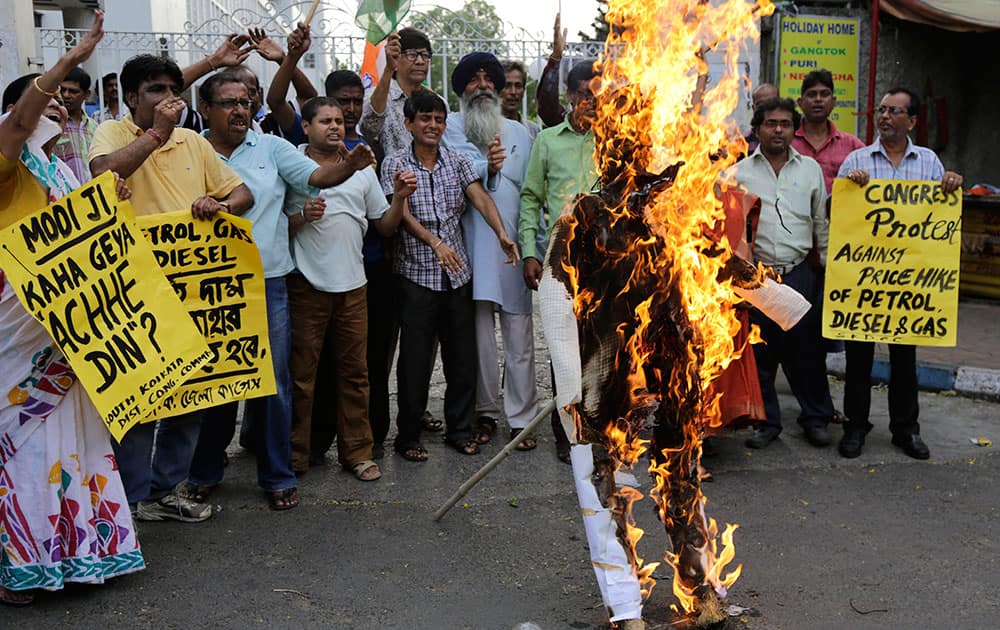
{"type": "Point", "coordinates": [412, 55]}
{"type": "Point", "coordinates": [232, 103]}
{"type": "Point", "coordinates": [893, 111]}
{"type": "Point", "coordinates": [777, 124]}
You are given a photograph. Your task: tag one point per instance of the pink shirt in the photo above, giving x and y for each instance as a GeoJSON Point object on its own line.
{"type": "Point", "coordinates": [831, 155]}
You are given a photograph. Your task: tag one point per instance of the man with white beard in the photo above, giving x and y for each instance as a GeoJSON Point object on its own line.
{"type": "Point", "coordinates": [499, 149]}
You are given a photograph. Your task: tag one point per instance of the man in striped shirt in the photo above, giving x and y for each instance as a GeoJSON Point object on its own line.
{"type": "Point", "coordinates": [891, 156]}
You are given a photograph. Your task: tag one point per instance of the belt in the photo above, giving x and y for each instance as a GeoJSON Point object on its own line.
{"type": "Point", "coordinates": [783, 269]}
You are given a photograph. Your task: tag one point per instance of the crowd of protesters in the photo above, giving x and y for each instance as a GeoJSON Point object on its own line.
{"type": "Point", "coordinates": [424, 250]}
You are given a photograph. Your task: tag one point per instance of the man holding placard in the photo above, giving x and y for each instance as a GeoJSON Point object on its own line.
{"type": "Point", "coordinates": [168, 168]}
{"type": "Point", "coordinates": [892, 156]}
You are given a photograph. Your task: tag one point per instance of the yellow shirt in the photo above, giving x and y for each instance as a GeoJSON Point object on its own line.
{"type": "Point", "coordinates": [20, 192]}
{"type": "Point", "coordinates": [172, 177]}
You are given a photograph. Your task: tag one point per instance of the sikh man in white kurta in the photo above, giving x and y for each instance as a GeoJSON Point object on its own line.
{"type": "Point", "coordinates": [499, 149]}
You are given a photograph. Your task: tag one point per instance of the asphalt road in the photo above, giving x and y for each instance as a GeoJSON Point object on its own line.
{"type": "Point", "coordinates": [882, 541]}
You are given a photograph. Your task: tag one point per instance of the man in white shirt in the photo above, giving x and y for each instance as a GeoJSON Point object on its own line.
{"type": "Point", "coordinates": [792, 218]}
{"type": "Point", "coordinates": [328, 292]}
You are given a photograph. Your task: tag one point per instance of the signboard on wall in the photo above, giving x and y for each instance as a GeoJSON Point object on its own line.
{"type": "Point", "coordinates": [812, 42]}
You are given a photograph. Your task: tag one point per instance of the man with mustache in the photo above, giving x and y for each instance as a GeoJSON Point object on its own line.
{"type": "Point", "coordinates": [817, 137]}
{"type": "Point", "coordinates": [512, 94]}
{"type": "Point", "coordinates": [499, 150]}
{"type": "Point", "coordinates": [560, 167]}
{"type": "Point", "coordinates": [792, 219]}
{"type": "Point", "coordinates": [167, 168]}
{"type": "Point", "coordinates": [268, 165]}
{"type": "Point", "coordinates": [891, 156]}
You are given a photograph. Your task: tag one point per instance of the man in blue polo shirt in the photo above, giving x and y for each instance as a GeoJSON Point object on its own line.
{"type": "Point", "coordinates": [267, 164]}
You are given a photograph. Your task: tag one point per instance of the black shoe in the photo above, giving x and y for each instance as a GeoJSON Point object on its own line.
{"type": "Point", "coordinates": [912, 445]}
{"type": "Point", "coordinates": [818, 435]}
{"type": "Point", "coordinates": [762, 437]}
{"type": "Point", "coordinates": [851, 444]}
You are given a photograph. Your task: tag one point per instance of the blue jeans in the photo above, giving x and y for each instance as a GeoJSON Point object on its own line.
{"type": "Point", "coordinates": [151, 475]}
{"type": "Point", "coordinates": [271, 415]}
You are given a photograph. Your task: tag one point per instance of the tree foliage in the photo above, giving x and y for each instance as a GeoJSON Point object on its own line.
{"type": "Point", "coordinates": [600, 24]}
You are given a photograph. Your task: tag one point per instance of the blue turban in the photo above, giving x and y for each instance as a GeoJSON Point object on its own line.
{"type": "Point", "coordinates": [472, 63]}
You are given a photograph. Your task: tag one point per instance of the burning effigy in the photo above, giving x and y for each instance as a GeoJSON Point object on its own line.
{"type": "Point", "coordinates": [638, 291]}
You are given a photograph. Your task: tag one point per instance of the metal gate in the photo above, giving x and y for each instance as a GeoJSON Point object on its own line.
{"type": "Point", "coordinates": [334, 44]}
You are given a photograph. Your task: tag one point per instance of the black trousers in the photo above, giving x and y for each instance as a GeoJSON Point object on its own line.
{"type": "Point", "coordinates": [423, 315]}
{"type": "Point", "coordinates": [801, 354]}
{"type": "Point", "coordinates": [904, 406]}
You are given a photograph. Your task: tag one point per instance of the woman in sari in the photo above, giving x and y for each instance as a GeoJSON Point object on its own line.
{"type": "Point", "coordinates": [63, 512]}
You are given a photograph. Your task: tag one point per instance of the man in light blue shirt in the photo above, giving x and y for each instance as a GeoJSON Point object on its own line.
{"type": "Point", "coordinates": [268, 165]}
{"type": "Point", "coordinates": [891, 156]}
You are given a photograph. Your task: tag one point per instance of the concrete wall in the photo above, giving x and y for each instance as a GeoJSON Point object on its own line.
{"type": "Point", "coordinates": [924, 58]}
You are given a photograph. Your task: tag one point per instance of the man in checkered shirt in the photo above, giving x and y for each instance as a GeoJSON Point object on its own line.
{"type": "Point", "coordinates": [433, 276]}
{"type": "Point", "coordinates": [891, 156]}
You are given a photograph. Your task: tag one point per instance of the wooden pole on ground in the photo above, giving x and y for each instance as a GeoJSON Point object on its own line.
{"type": "Point", "coordinates": [493, 463]}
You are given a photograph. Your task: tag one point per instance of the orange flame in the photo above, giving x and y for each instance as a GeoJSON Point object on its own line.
{"type": "Point", "coordinates": [655, 109]}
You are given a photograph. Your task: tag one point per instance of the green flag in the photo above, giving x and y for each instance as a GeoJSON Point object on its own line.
{"type": "Point", "coordinates": [378, 18]}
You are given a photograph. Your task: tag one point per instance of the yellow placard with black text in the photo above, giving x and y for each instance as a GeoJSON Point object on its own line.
{"type": "Point", "coordinates": [893, 263]}
{"type": "Point", "coordinates": [82, 269]}
{"type": "Point", "coordinates": [216, 271]}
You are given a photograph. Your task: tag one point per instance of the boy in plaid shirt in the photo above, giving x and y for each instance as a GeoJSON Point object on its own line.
{"type": "Point", "coordinates": [433, 276]}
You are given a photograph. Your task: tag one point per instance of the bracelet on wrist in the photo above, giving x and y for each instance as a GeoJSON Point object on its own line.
{"type": "Point", "coordinates": [438, 244]}
{"type": "Point", "coordinates": [43, 90]}
{"type": "Point", "coordinates": [210, 64]}
{"type": "Point", "coordinates": [155, 135]}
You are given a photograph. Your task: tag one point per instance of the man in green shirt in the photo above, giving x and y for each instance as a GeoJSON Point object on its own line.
{"type": "Point", "coordinates": [561, 166]}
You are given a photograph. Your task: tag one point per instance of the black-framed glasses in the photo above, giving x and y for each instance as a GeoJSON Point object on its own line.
{"type": "Point", "coordinates": [232, 103]}
{"type": "Point", "coordinates": [893, 111]}
{"type": "Point", "coordinates": [771, 123]}
{"type": "Point", "coordinates": [413, 54]}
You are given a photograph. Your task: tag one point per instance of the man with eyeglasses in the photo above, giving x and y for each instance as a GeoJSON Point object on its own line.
{"type": "Point", "coordinates": [407, 60]}
{"type": "Point", "coordinates": [891, 156]}
{"type": "Point", "coordinates": [168, 168]}
{"type": "Point", "coordinates": [792, 218]}
{"type": "Point", "coordinates": [269, 166]}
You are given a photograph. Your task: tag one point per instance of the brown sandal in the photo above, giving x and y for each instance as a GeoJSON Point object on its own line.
{"type": "Point", "coordinates": [365, 470]}
{"type": "Point", "coordinates": [16, 598]}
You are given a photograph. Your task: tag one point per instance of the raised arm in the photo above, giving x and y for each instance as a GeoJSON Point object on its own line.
{"type": "Point", "coordinates": [547, 93]}
{"type": "Point", "coordinates": [373, 115]}
{"type": "Point", "coordinates": [23, 120]}
{"type": "Point", "coordinates": [232, 52]}
{"type": "Point", "coordinates": [270, 50]}
{"type": "Point", "coordinates": [358, 158]}
{"type": "Point", "coordinates": [298, 43]}
{"type": "Point", "coordinates": [125, 161]}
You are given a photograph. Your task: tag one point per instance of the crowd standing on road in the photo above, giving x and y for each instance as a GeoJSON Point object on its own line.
{"type": "Point", "coordinates": [382, 220]}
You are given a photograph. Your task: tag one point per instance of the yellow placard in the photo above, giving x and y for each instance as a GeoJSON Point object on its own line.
{"type": "Point", "coordinates": [811, 42]}
{"type": "Point", "coordinates": [892, 266]}
{"type": "Point", "coordinates": [82, 269]}
{"type": "Point", "coordinates": [215, 269]}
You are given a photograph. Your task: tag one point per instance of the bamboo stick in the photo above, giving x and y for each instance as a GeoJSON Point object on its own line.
{"type": "Point", "coordinates": [312, 10]}
{"type": "Point", "coordinates": [493, 463]}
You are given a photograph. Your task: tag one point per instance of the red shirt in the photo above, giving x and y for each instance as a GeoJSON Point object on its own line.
{"type": "Point", "coordinates": [831, 154]}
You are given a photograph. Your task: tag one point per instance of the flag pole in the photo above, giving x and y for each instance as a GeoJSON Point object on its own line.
{"type": "Point", "coordinates": [312, 10]}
